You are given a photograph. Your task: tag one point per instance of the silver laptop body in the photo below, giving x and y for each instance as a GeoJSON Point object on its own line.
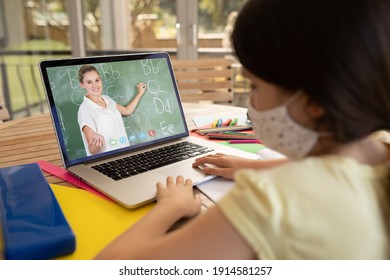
{"type": "Point", "coordinates": [158, 121]}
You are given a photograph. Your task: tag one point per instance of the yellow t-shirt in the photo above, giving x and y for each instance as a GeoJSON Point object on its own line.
{"type": "Point", "coordinates": [318, 208]}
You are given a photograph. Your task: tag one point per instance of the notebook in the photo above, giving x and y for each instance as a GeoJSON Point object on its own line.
{"type": "Point", "coordinates": [130, 160]}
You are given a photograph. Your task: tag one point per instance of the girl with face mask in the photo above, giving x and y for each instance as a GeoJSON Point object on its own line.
{"type": "Point", "coordinates": [320, 76]}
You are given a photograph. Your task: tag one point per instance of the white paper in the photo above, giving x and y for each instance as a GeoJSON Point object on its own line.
{"type": "Point", "coordinates": [267, 153]}
{"type": "Point", "coordinates": [216, 188]}
{"type": "Point", "coordinates": [219, 186]}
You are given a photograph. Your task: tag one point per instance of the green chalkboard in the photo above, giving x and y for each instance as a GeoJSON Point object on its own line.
{"type": "Point", "coordinates": [157, 114]}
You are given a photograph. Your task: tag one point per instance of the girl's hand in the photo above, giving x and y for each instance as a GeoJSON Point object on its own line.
{"type": "Point", "coordinates": [222, 165]}
{"type": "Point", "coordinates": [141, 88]}
{"type": "Point", "coordinates": [180, 194]}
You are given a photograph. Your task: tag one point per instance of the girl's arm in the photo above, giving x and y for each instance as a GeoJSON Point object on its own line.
{"type": "Point", "coordinates": [207, 236]}
{"type": "Point", "coordinates": [226, 165]}
{"type": "Point", "coordinates": [130, 108]}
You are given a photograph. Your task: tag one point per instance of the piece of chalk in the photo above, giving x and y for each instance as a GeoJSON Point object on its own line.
{"type": "Point", "coordinates": [226, 122]}
{"type": "Point", "coordinates": [215, 123]}
{"type": "Point", "coordinates": [233, 122]}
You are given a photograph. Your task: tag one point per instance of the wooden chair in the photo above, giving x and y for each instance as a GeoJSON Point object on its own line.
{"type": "Point", "coordinates": [208, 79]}
{"type": "Point", "coordinates": [4, 114]}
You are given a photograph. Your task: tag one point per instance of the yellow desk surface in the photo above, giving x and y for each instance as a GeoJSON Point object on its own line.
{"type": "Point", "coordinates": [95, 221]}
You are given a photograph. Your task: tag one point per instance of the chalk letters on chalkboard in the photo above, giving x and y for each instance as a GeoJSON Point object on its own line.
{"type": "Point", "coordinates": [148, 67]}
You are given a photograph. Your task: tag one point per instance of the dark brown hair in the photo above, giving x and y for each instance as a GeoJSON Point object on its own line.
{"type": "Point", "coordinates": [84, 69]}
{"type": "Point", "coordinates": [337, 51]}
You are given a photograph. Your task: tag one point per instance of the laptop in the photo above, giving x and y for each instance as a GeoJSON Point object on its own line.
{"type": "Point", "coordinates": [129, 167]}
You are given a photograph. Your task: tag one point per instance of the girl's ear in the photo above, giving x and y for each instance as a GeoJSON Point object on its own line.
{"type": "Point", "coordinates": [315, 110]}
{"type": "Point", "coordinates": [81, 85]}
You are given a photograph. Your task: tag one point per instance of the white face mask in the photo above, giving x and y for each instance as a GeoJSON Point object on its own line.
{"type": "Point", "coordinates": [276, 129]}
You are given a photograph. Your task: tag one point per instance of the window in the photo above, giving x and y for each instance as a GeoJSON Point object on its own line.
{"type": "Point", "coordinates": [32, 30]}
{"type": "Point", "coordinates": [216, 20]}
{"type": "Point", "coordinates": [130, 25]}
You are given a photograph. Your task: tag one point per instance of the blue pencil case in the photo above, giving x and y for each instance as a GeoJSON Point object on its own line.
{"type": "Point", "coordinates": [31, 220]}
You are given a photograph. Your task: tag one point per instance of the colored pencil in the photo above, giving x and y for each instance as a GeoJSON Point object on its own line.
{"type": "Point", "coordinates": [244, 141]}
{"type": "Point", "coordinates": [222, 128]}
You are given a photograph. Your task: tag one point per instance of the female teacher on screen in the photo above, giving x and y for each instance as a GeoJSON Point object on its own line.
{"type": "Point", "coordinates": [100, 117]}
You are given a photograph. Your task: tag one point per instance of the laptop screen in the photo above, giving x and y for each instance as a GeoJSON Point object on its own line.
{"type": "Point", "coordinates": [88, 95]}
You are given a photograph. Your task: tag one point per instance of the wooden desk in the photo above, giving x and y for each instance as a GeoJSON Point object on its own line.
{"type": "Point", "coordinates": [32, 139]}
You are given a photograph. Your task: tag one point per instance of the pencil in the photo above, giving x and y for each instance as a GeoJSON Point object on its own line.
{"type": "Point", "coordinates": [220, 129]}
{"type": "Point", "coordinates": [244, 141]}
{"type": "Point", "coordinates": [231, 136]}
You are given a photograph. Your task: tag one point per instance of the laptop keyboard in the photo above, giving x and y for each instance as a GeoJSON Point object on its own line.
{"type": "Point", "coordinates": [139, 163]}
